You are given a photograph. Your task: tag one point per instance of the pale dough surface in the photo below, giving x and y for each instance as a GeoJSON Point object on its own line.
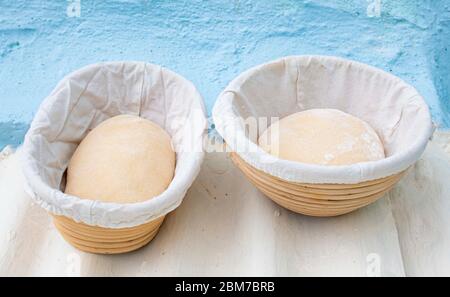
{"type": "Point", "coordinates": [125, 159]}
{"type": "Point", "coordinates": [322, 136]}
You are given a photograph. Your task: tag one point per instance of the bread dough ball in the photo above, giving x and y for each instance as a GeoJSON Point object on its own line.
{"type": "Point", "coordinates": [125, 159]}
{"type": "Point", "coordinates": [322, 136]}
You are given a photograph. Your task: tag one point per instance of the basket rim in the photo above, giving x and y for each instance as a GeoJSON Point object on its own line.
{"type": "Point", "coordinates": [83, 210]}
{"type": "Point", "coordinates": [333, 174]}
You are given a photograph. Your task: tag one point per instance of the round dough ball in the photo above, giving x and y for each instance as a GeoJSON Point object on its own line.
{"type": "Point", "coordinates": [322, 136]}
{"type": "Point", "coordinates": [125, 159]}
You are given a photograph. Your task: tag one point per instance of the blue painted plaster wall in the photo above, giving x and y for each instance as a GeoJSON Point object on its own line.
{"type": "Point", "coordinates": [210, 42]}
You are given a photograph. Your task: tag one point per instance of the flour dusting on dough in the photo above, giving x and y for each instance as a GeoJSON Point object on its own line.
{"type": "Point", "coordinates": [323, 136]}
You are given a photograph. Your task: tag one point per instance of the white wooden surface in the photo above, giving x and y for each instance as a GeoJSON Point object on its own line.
{"type": "Point", "coordinates": [225, 227]}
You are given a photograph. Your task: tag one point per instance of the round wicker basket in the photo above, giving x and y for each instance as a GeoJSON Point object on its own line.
{"type": "Point", "coordinates": [260, 96]}
{"type": "Point", "coordinates": [320, 200]}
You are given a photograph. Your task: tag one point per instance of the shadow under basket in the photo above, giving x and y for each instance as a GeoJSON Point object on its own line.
{"type": "Point", "coordinates": [98, 240]}
{"type": "Point", "coordinates": [319, 200]}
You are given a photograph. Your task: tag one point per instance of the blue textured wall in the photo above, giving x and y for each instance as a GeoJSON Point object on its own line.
{"type": "Point", "coordinates": [210, 42]}
{"type": "Point", "coordinates": [439, 47]}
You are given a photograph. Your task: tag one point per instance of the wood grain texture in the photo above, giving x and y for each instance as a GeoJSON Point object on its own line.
{"type": "Point", "coordinates": [226, 227]}
{"type": "Point", "coordinates": [421, 208]}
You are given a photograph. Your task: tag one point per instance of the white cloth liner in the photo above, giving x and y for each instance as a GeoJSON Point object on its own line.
{"type": "Point", "coordinates": [86, 98]}
{"type": "Point", "coordinates": [393, 108]}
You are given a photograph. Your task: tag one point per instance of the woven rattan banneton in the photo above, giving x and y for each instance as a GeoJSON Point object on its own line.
{"type": "Point", "coordinates": [321, 200]}
{"type": "Point", "coordinates": [98, 240]}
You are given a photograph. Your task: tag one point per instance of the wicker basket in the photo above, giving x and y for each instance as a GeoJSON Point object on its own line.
{"type": "Point", "coordinates": [319, 200]}
{"type": "Point", "coordinates": [98, 240]}
{"type": "Point", "coordinates": [79, 103]}
{"type": "Point", "coordinates": [258, 97]}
